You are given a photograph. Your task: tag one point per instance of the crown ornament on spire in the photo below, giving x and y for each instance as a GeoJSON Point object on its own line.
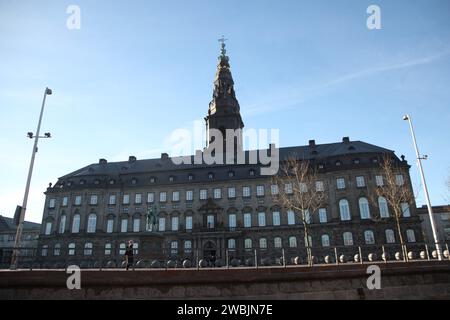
{"type": "Point", "coordinates": [223, 50]}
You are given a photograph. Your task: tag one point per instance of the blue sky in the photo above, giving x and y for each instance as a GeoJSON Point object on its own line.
{"type": "Point", "coordinates": [137, 70]}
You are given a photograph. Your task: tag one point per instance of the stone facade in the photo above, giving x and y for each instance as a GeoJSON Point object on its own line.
{"type": "Point", "coordinates": [200, 217]}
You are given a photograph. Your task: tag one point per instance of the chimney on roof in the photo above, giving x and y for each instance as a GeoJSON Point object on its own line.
{"type": "Point", "coordinates": [164, 156]}
{"type": "Point", "coordinates": [312, 143]}
{"type": "Point", "coordinates": [132, 159]}
{"type": "Point", "coordinates": [346, 140]}
{"type": "Point", "coordinates": [103, 161]}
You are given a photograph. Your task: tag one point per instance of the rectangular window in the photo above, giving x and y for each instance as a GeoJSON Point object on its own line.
{"type": "Point", "coordinates": [126, 199]}
{"type": "Point", "coordinates": [150, 197]}
{"type": "Point", "coordinates": [71, 249]}
{"type": "Point", "coordinates": [189, 223]}
{"type": "Point", "coordinates": [323, 215]}
{"type": "Point", "coordinates": [52, 203]}
{"type": "Point", "coordinates": [124, 225]}
{"type": "Point", "coordinates": [112, 200]}
{"type": "Point", "coordinates": [232, 221]}
{"type": "Point", "coordinates": [210, 221]}
{"type": "Point", "coordinates": [162, 224]}
{"type": "Point", "coordinates": [94, 200]}
{"type": "Point", "coordinates": [276, 218]}
{"type": "Point", "coordinates": [138, 198]}
{"type": "Point", "coordinates": [262, 219]}
{"type": "Point", "coordinates": [78, 200]}
{"type": "Point", "coordinates": [176, 196]}
{"type": "Point", "coordinates": [319, 186]}
{"type": "Point", "coordinates": [189, 195]}
{"type": "Point", "coordinates": [288, 188]}
{"type": "Point", "coordinates": [291, 217]}
{"type": "Point", "coordinates": [274, 189]}
{"type": "Point", "coordinates": [379, 181]}
{"type": "Point", "coordinates": [217, 193]}
{"type": "Point", "coordinates": [136, 225]}
{"type": "Point", "coordinates": [340, 183]}
{"type": "Point", "coordinates": [44, 251]}
{"type": "Point", "coordinates": [174, 223]}
{"type": "Point", "coordinates": [110, 226]}
{"type": "Point", "coordinates": [360, 182]}
{"type": "Point", "coordinates": [246, 192]}
{"type": "Point", "coordinates": [65, 201]}
{"type": "Point", "coordinates": [260, 191]}
{"type": "Point", "coordinates": [399, 180]}
{"type": "Point", "coordinates": [174, 247]}
{"type": "Point", "coordinates": [231, 192]}
{"type": "Point", "coordinates": [48, 228]}
{"type": "Point", "coordinates": [162, 197]}
{"type": "Point", "coordinates": [203, 194]}
{"type": "Point", "coordinates": [247, 220]}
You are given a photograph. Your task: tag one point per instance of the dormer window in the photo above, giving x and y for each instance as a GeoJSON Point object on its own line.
{"type": "Point", "coordinates": [134, 181]}
{"type": "Point", "coordinates": [321, 166]}
{"type": "Point", "coordinates": [96, 181]}
{"type": "Point", "coordinates": [69, 183]}
{"type": "Point", "coordinates": [112, 181]}
{"type": "Point", "coordinates": [152, 180]}
{"type": "Point", "coordinates": [356, 161]}
{"type": "Point", "coordinates": [171, 179]}
{"type": "Point", "coordinates": [251, 172]}
{"type": "Point", "coordinates": [190, 177]}
{"type": "Point", "coordinates": [338, 163]}
{"type": "Point", "coordinates": [210, 176]}
{"type": "Point", "coordinates": [374, 160]}
{"type": "Point", "coordinates": [230, 174]}
{"type": "Point", "coordinates": [82, 182]}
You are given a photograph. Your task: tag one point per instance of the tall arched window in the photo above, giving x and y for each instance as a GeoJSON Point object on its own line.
{"type": "Point", "coordinates": [390, 236]}
{"type": "Point", "coordinates": [231, 244]}
{"type": "Point", "coordinates": [293, 242]}
{"type": "Point", "coordinates": [76, 223]}
{"type": "Point", "coordinates": [344, 210]}
{"type": "Point", "coordinates": [384, 210]}
{"type": "Point", "coordinates": [92, 223]}
{"type": "Point", "coordinates": [364, 208]}
{"type": "Point", "coordinates": [71, 248]}
{"type": "Point", "coordinates": [62, 224]}
{"type": "Point", "coordinates": [410, 235]}
{"type": "Point", "coordinates": [325, 240]}
{"type": "Point", "coordinates": [248, 244]}
{"type": "Point", "coordinates": [263, 243]}
{"type": "Point", "coordinates": [369, 237]}
{"type": "Point", "coordinates": [348, 238]}
{"type": "Point", "coordinates": [277, 242]}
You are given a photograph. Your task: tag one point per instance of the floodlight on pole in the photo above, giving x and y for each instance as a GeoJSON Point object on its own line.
{"type": "Point", "coordinates": [424, 184]}
{"type": "Point", "coordinates": [22, 209]}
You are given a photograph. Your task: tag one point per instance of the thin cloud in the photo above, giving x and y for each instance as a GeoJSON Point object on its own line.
{"type": "Point", "coordinates": [301, 94]}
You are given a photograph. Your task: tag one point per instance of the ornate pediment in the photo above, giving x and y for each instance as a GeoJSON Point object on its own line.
{"type": "Point", "coordinates": [210, 206]}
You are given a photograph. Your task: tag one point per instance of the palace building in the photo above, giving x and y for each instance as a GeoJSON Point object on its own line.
{"type": "Point", "coordinates": [219, 213]}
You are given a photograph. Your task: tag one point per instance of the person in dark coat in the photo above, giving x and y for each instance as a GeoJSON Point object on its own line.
{"type": "Point", "coordinates": [129, 259]}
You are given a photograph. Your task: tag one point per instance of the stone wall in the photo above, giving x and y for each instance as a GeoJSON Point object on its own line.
{"type": "Point", "coordinates": [415, 280]}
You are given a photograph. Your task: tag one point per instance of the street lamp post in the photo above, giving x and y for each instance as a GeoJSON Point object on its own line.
{"type": "Point", "coordinates": [427, 196]}
{"type": "Point", "coordinates": [16, 251]}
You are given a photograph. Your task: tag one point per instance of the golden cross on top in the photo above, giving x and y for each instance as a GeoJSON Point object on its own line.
{"type": "Point", "coordinates": [222, 40]}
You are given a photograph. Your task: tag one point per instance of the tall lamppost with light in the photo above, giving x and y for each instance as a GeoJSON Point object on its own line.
{"type": "Point", "coordinates": [424, 184]}
{"type": "Point", "coordinates": [21, 210]}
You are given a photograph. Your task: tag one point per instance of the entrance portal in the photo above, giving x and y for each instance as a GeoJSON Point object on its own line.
{"type": "Point", "coordinates": [209, 253]}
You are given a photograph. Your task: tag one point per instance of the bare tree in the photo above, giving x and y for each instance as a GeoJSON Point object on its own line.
{"type": "Point", "coordinates": [300, 190]}
{"type": "Point", "coordinates": [395, 189]}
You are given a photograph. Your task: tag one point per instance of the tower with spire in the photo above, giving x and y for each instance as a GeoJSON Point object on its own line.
{"type": "Point", "coordinates": [224, 110]}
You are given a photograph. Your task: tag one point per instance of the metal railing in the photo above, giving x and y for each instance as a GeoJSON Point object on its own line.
{"type": "Point", "coordinates": [231, 258]}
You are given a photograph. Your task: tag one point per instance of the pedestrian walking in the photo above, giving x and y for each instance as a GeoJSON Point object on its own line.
{"type": "Point", "coordinates": [129, 259]}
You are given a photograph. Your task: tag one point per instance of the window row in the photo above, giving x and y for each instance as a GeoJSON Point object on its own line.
{"type": "Point", "coordinates": [364, 209]}
{"type": "Point", "coordinates": [88, 249]}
